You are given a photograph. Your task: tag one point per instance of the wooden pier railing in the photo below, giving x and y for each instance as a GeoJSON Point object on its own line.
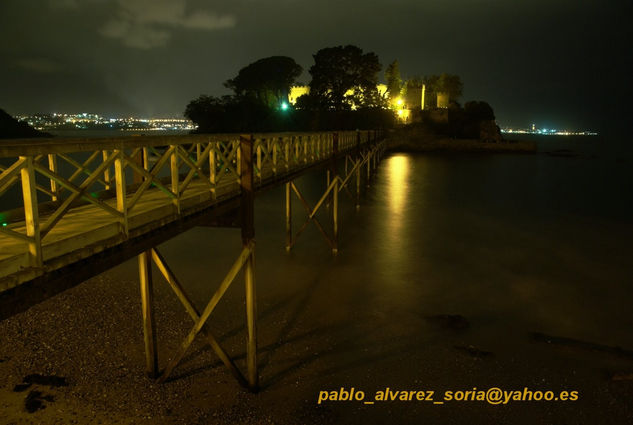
{"type": "Point", "coordinates": [73, 208]}
{"type": "Point", "coordinates": [63, 200]}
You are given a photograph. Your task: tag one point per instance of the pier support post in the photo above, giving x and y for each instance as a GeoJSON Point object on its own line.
{"type": "Point", "coordinates": [52, 165]}
{"type": "Point", "coordinates": [358, 153]}
{"type": "Point", "coordinates": [147, 290]}
{"type": "Point", "coordinates": [31, 213]}
{"type": "Point", "coordinates": [335, 216]}
{"type": "Point", "coordinates": [327, 184]}
{"type": "Point", "coordinates": [175, 176]}
{"type": "Point", "coordinates": [288, 217]}
{"type": "Point", "coordinates": [147, 300]}
{"type": "Point", "coordinates": [369, 155]}
{"type": "Point", "coordinates": [335, 194]}
{"type": "Point", "coordinates": [119, 176]}
{"type": "Point", "coordinates": [248, 237]}
{"type": "Point", "coordinates": [358, 186]}
{"type": "Point", "coordinates": [374, 162]}
{"type": "Point", "coordinates": [106, 172]}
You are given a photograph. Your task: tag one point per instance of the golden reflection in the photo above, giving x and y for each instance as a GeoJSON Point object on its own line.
{"type": "Point", "coordinates": [397, 174]}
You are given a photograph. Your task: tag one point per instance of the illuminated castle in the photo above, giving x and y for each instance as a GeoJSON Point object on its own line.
{"type": "Point", "coordinates": [296, 91]}
{"type": "Point", "coordinates": [402, 108]}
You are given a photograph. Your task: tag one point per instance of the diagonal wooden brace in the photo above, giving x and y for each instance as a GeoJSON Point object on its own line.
{"type": "Point", "coordinates": [184, 298]}
{"type": "Point", "coordinates": [312, 213]}
{"type": "Point", "coordinates": [228, 279]}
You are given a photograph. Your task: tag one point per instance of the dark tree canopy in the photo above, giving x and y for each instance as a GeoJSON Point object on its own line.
{"type": "Point", "coordinates": [367, 97]}
{"type": "Point", "coordinates": [198, 110]}
{"type": "Point", "coordinates": [412, 93]}
{"type": "Point", "coordinates": [394, 80]}
{"type": "Point", "coordinates": [232, 114]}
{"type": "Point", "coordinates": [339, 69]}
{"type": "Point", "coordinates": [267, 80]}
{"type": "Point", "coordinates": [310, 102]}
{"type": "Point", "coordinates": [444, 83]}
{"type": "Point", "coordinates": [479, 110]}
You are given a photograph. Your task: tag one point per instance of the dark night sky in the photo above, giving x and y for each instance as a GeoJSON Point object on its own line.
{"type": "Point", "coordinates": [564, 63]}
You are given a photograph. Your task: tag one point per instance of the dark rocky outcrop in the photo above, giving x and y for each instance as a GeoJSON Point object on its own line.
{"type": "Point", "coordinates": [10, 128]}
{"type": "Point", "coordinates": [424, 138]}
{"type": "Point", "coordinates": [490, 132]}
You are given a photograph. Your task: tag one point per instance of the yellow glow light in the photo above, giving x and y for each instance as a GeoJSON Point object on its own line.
{"type": "Point", "coordinates": [397, 173]}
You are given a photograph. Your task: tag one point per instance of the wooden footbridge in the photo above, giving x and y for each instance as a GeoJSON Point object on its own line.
{"type": "Point", "coordinates": [73, 208]}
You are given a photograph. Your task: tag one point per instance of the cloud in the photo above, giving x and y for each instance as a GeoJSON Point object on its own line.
{"type": "Point", "coordinates": [72, 4]}
{"type": "Point", "coordinates": [39, 65]}
{"type": "Point", "coordinates": [206, 21]}
{"type": "Point", "coordinates": [146, 24]}
{"type": "Point", "coordinates": [64, 4]}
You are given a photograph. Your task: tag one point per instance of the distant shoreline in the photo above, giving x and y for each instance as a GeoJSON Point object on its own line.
{"type": "Point", "coordinates": [414, 141]}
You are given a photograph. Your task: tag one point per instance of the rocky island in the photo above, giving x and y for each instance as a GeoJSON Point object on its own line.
{"type": "Point", "coordinates": [10, 128]}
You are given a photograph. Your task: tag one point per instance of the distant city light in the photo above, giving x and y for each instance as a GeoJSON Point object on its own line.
{"type": "Point", "coordinates": [84, 120]}
{"type": "Point", "coordinates": [546, 131]}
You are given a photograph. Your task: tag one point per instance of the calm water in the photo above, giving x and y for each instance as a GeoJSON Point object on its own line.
{"type": "Point", "coordinates": [543, 241]}
{"type": "Point", "coordinates": [536, 241]}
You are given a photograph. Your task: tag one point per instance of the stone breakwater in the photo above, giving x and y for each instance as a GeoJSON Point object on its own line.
{"type": "Point", "coordinates": [416, 141]}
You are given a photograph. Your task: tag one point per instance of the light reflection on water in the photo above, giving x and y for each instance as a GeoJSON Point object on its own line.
{"type": "Point", "coordinates": [397, 173]}
{"type": "Point", "coordinates": [536, 242]}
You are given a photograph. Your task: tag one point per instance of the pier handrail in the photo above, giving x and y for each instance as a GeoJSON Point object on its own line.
{"type": "Point", "coordinates": [118, 183]}
{"type": "Point", "coordinates": [42, 146]}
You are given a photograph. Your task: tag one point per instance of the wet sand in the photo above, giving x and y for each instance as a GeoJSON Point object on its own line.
{"type": "Point", "coordinates": [314, 338]}
{"type": "Point", "coordinates": [460, 314]}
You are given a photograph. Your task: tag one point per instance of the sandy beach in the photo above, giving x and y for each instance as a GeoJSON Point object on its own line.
{"type": "Point", "coordinates": [457, 289]}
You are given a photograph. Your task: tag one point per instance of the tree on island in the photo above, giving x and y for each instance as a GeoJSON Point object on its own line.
{"type": "Point", "coordinates": [476, 120]}
{"type": "Point", "coordinates": [261, 87]}
{"type": "Point", "coordinates": [231, 114]}
{"type": "Point", "coordinates": [259, 90]}
{"type": "Point", "coordinates": [449, 84]}
{"type": "Point", "coordinates": [412, 93]}
{"type": "Point", "coordinates": [339, 69]}
{"type": "Point", "coordinates": [394, 81]}
{"type": "Point", "coordinates": [207, 112]}
{"type": "Point", "coordinates": [479, 110]}
{"type": "Point", "coordinates": [267, 80]}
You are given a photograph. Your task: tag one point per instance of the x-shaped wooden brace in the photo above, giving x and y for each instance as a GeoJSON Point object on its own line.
{"type": "Point", "coordinates": [195, 169]}
{"type": "Point", "coordinates": [78, 192]}
{"type": "Point", "coordinates": [150, 177]}
{"type": "Point", "coordinates": [11, 174]}
{"type": "Point", "coordinates": [231, 150]}
{"type": "Point", "coordinates": [312, 214]}
{"type": "Point", "coordinates": [357, 164]}
{"type": "Point", "coordinates": [201, 319]}
{"type": "Point", "coordinates": [81, 168]}
{"type": "Point", "coordinates": [264, 155]}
